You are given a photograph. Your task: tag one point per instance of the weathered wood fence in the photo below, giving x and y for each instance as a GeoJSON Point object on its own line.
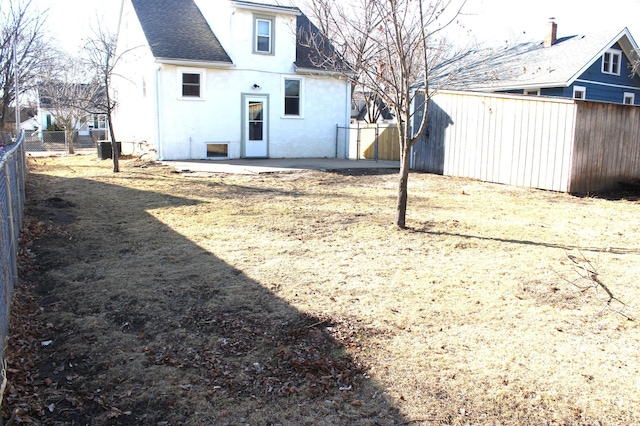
{"type": "Point", "coordinates": [547, 143]}
{"type": "Point", "coordinates": [373, 142]}
{"type": "Point", "coordinates": [12, 193]}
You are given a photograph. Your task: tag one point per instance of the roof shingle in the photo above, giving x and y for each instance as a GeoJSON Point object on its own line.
{"type": "Point", "coordinates": [176, 29]}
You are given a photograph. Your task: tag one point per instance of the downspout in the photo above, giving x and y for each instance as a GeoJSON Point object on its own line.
{"type": "Point", "coordinates": [157, 126]}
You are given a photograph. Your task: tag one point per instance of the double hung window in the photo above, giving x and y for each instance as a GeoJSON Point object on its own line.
{"type": "Point", "coordinates": [263, 35]}
{"type": "Point", "coordinates": [611, 62]}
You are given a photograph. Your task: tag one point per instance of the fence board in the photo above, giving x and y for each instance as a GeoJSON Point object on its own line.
{"type": "Point", "coordinates": [499, 138]}
{"type": "Point", "coordinates": [362, 142]}
{"type": "Point", "coordinates": [606, 151]}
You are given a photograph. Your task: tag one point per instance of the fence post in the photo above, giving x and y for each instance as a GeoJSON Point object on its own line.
{"type": "Point", "coordinates": [337, 136]}
{"type": "Point", "coordinates": [376, 142]}
{"type": "Point", "coordinates": [358, 143]}
{"type": "Point", "coordinates": [13, 230]}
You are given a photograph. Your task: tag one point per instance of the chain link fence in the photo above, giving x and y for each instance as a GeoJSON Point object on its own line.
{"type": "Point", "coordinates": [12, 195]}
{"type": "Point", "coordinates": [46, 141]}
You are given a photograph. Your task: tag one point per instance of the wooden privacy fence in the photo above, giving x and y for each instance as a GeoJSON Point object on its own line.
{"type": "Point", "coordinates": [373, 142]}
{"type": "Point", "coordinates": [12, 193]}
{"type": "Point", "coordinates": [547, 143]}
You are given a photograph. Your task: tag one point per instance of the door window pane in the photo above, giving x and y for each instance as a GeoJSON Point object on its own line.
{"type": "Point", "coordinates": [255, 131]}
{"type": "Point", "coordinates": [256, 123]}
{"type": "Point", "coordinates": [255, 110]}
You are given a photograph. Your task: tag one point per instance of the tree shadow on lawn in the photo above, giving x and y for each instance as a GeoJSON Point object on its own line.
{"type": "Point", "coordinates": [148, 328]}
{"type": "Point", "coordinates": [425, 229]}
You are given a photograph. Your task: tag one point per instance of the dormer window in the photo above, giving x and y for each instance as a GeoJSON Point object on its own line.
{"type": "Point", "coordinates": [263, 35]}
{"type": "Point", "coordinates": [611, 62]}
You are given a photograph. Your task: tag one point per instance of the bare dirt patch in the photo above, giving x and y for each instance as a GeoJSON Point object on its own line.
{"type": "Point", "coordinates": [163, 299]}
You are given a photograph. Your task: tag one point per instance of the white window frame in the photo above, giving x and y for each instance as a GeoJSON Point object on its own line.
{"type": "Point", "coordinates": [203, 79]}
{"type": "Point", "coordinates": [272, 36]}
{"type": "Point", "coordinates": [628, 96]}
{"type": "Point", "coordinates": [300, 96]}
{"type": "Point", "coordinates": [580, 89]}
{"type": "Point", "coordinates": [532, 92]}
{"type": "Point", "coordinates": [615, 59]}
{"type": "Point", "coordinates": [99, 121]}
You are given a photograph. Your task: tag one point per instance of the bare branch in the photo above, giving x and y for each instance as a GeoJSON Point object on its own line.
{"type": "Point", "coordinates": [588, 278]}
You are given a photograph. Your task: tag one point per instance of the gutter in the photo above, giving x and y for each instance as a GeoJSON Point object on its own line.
{"type": "Point", "coordinates": [316, 71]}
{"type": "Point", "coordinates": [190, 63]}
{"type": "Point", "coordinates": [284, 10]}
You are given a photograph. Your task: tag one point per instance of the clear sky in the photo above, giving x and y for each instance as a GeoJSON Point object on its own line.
{"type": "Point", "coordinates": [500, 21]}
{"type": "Point", "coordinates": [493, 22]}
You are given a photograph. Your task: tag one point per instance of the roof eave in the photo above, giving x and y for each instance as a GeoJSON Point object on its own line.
{"type": "Point", "coordinates": [319, 71]}
{"type": "Point", "coordinates": [266, 8]}
{"type": "Point", "coordinates": [195, 63]}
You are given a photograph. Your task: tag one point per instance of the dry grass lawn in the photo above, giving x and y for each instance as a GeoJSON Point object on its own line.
{"type": "Point", "coordinates": [289, 299]}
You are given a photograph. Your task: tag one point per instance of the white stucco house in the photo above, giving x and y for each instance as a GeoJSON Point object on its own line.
{"type": "Point", "coordinates": [211, 79]}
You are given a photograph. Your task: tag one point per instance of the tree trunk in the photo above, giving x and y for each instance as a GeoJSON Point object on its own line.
{"type": "Point", "coordinates": [68, 138]}
{"type": "Point", "coordinates": [401, 207]}
{"type": "Point", "coordinates": [114, 146]}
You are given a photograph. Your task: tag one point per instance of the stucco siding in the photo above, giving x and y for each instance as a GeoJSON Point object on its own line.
{"type": "Point", "coordinates": [152, 107]}
{"type": "Point", "coordinates": [187, 126]}
{"type": "Point", "coordinates": [134, 115]}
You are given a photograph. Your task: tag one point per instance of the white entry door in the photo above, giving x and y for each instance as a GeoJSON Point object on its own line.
{"type": "Point", "coordinates": [255, 126]}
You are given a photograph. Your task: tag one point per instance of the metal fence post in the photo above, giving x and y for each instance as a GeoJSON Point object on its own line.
{"type": "Point", "coordinates": [358, 143]}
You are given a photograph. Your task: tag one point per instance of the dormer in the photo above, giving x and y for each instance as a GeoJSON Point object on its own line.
{"type": "Point", "coordinates": [264, 36]}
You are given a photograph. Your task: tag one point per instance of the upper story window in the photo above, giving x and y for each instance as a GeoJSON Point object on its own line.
{"type": "Point", "coordinates": [191, 83]}
{"type": "Point", "coordinates": [629, 98]}
{"type": "Point", "coordinates": [579, 92]}
{"type": "Point", "coordinates": [611, 61]}
{"type": "Point", "coordinates": [292, 96]}
{"type": "Point", "coordinates": [263, 35]}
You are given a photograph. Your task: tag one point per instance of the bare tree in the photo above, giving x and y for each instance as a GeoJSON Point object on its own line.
{"type": "Point", "coordinates": [391, 46]}
{"type": "Point", "coordinates": [69, 94]}
{"type": "Point", "coordinates": [22, 45]}
{"type": "Point", "coordinates": [102, 59]}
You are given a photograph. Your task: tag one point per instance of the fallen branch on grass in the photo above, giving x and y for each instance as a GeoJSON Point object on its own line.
{"type": "Point", "coordinates": [588, 278]}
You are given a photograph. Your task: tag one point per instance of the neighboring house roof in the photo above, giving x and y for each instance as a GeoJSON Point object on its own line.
{"type": "Point", "coordinates": [73, 93]}
{"type": "Point", "coordinates": [363, 102]}
{"type": "Point", "coordinates": [531, 64]}
{"type": "Point", "coordinates": [25, 114]}
{"type": "Point", "coordinates": [176, 29]}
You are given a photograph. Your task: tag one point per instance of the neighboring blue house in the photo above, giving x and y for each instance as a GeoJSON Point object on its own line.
{"type": "Point", "coordinates": [595, 67]}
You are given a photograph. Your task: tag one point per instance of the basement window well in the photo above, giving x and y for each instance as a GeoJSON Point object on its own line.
{"type": "Point", "coordinates": [217, 150]}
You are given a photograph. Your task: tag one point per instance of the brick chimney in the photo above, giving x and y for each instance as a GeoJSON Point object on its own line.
{"type": "Point", "coordinates": [552, 30]}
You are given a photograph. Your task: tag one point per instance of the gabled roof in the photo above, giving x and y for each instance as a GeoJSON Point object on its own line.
{"type": "Point", "coordinates": [532, 65]}
{"type": "Point", "coordinates": [176, 29]}
{"type": "Point", "coordinates": [314, 51]}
